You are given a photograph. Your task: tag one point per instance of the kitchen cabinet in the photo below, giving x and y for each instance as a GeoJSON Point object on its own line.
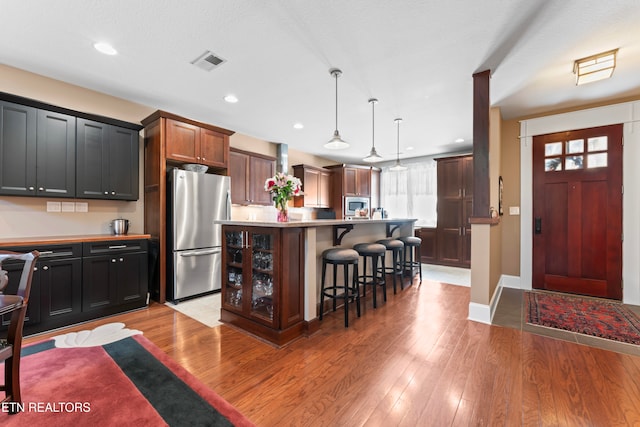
{"type": "Point", "coordinates": [262, 292]}
{"type": "Point", "coordinates": [316, 186]}
{"type": "Point", "coordinates": [429, 246]}
{"type": "Point", "coordinates": [160, 137]}
{"type": "Point", "coordinates": [108, 161]}
{"type": "Point", "coordinates": [80, 281]}
{"type": "Point", "coordinates": [375, 188]}
{"type": "Point", "coordinates": [248, 173]}
{"type": "Point", "coordinates": [114, 273]}
{"type": "Point", "coordinates": [189, 143]}
{"type": "Point", "coordinates": [38, 152]}
{"type": "Point", "coordinates": [455, 200]}
{"type": "Point", "coordinates": [346, 181]}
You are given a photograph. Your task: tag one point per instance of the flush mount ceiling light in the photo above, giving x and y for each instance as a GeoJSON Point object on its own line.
{"type": "Point", "coordinates": [595, 67]}
{"type": "Point", "coordinates": [105, 48]}
{"type": "Point", "coordinates": [298, 126]}
{"type": "Point", "coordinates": [336, 142]}
{"type": "Point", "coordinates": [398, 167]}
{"type": "Point", "coordinates": [373, 155]}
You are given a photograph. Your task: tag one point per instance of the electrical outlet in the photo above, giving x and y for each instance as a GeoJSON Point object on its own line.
{"type": "Point", "coordinates": [53, 207]}
{"type": "Point", "coordinates": [82, 207]}
{"type": "Point", "coordinates": [68, 207]}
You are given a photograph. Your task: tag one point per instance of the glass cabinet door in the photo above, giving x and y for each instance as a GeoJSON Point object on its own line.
{"type": "Point", "coordinates": [262, 275]}
{"type": "Point", "coordinates": [233, 280]}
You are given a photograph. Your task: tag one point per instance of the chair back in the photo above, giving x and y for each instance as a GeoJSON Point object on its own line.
{"type": "Point", "coordinates": [29, 258]}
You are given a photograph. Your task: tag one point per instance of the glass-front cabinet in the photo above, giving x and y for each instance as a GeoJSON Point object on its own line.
{"type": "Point", "coordinates": [262, 289]}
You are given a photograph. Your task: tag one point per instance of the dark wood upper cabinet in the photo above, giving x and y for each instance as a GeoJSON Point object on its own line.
{"type": "Point", "coordinates": [357, 182]}
{"type": "Point", "coordinates": [108, 161]}
{"type": "Point", "coordinates": [316, 186]}
{"type": "Point", "coordinates": [37, 152]}
{"type": "Point", "coordinates": [189, 143]}
{"type": "Point", "coordinates": [248, 172]}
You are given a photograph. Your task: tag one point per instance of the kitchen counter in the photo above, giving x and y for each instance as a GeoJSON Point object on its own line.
{"type": "Point", "coordinates": [317, 222]}
{"type": "Point", "coordinates": [52, 240]}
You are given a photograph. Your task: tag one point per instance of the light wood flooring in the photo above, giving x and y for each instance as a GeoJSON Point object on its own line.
{"type": "Point", "coordinates": [414, 361]}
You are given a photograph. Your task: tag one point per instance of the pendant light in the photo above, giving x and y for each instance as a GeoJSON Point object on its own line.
{"type": "Point", "coordinates": [373, 155]}
{"type": "Point", "coordinates": [398, 167]}
{"type": "Point", "coordinates": [336, 143]}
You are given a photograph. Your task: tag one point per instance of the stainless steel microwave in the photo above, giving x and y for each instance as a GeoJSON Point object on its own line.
{"type": "Point", "coordinates": [355, 205]}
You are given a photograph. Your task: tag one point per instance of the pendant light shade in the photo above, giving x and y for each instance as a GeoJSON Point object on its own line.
{"type": "Point", "coordinates": [373, 154]}
{"type": "Point", "coordinates": [336, 142]}
{"type": "Point", "coordinates": [398, 167]}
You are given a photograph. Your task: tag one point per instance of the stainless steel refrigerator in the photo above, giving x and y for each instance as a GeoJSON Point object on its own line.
{"type": "Point", "coordinates": [195, 202]}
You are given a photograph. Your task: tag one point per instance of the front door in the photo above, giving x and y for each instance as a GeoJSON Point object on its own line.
{"type": "Point", "coordinates": [577, 210]}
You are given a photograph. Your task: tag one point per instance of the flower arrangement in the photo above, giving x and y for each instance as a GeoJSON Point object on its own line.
{"type": "Point", "coordinates": [282, 188]}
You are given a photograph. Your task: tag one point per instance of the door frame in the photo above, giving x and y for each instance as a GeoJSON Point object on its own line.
{"type": "Point", "coordinates": [627, 113]}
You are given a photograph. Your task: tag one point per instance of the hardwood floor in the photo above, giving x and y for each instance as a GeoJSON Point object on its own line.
{"type": "Point", "coordinates": [414, 361]}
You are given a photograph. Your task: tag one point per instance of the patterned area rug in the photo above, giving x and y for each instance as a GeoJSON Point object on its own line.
{"type": "Point", "coordinates": [88, 379]}
{"type": "Point", "coordinates": [583, 315]}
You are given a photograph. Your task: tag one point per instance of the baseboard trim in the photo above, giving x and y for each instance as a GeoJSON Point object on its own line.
{"type": "Point", "coordinates": [512, 282]}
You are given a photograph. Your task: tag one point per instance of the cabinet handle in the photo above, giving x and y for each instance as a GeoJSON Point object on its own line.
{"type": "Point", "coordinates": [31, 188]}
{"type": "Point", "coordinates": [113, 193]}
{"type": "Point", "coordinates": [117, 246]}
{"type": "Point", "coordinates": [121, 259]}
{"type": "Point", "coordinates": [106, 193]}
{"type": "Point", "coordinates": [46, 267]}
{"type": "Point", "coordinates": [113, 260]}
{"type": "Point", "coordinates": [204, 158]}
{"type": "Point", "coordinates": [46, 253]}
{"type": "Point", "coordinates": [41, 189]}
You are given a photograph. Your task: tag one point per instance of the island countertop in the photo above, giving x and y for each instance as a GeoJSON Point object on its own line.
{"type": "Point", "coordinates": [316, 222]}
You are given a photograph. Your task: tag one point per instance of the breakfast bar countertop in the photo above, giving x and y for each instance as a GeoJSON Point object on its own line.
{"type": "Point", "coordinates": [52, 240]}
{"type": "Point", "coordinates": [315, 222]}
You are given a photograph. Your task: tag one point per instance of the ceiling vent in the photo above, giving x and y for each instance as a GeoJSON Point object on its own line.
{"type": "Point", "coordinates": [208, 61]}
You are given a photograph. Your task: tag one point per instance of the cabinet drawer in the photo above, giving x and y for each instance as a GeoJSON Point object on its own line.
{"type": "Point", "coordinates": [71, 250]}
{"type": "Point", "coordinates": [114, 246]}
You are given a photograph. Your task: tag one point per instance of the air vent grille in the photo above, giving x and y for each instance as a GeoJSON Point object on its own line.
{"type": "Point", "coordinates": [208, 61]}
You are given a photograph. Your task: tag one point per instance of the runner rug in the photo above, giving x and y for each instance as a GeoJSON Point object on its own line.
{"type": "Point", "coordinates": [584, 315]}
{"type": "Point", "coordinates": [111, 376]}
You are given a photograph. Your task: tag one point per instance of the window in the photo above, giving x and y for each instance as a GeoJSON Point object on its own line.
{"type": "Point", "coordinates": [576, 154]}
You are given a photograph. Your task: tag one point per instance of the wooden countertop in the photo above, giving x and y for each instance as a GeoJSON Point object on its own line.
{"type": "Point", "coordinates": [52, 240]}
{"type": "Point", "coordinates": [316, 222]}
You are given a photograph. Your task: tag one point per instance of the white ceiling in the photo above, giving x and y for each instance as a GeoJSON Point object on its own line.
{"type": "Point", "coordinates": [416, 56]}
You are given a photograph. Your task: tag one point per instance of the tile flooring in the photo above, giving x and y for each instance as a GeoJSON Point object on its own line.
{"type": "Point", "coordinates": [205, 309]}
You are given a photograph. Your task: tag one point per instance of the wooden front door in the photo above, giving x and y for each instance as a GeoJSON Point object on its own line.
{"type": "Point", "coordinates": [577, 211]}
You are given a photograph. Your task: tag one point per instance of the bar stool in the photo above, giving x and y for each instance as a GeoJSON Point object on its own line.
{"type": "Point", "coordinates": [396, 247]}
{"type": "Point", "coordinates": [411, 243]}
{"type": "Point", "coordinates": [374, 251]}
{"type": "Point", "coordinates": [345, 258]}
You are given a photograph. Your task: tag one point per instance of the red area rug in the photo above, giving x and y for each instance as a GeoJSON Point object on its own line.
{"type": "Point", "coordinates": [583, 315]}
{"type": "Point", "coordinates": [129, 382]}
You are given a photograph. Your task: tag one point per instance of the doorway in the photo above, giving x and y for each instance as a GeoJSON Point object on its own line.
{"type": "Point", "coordinates": [577, 211]}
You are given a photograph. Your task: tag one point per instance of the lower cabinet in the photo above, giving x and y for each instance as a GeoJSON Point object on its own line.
{"type": "Point", "coordinates": [263, 281]}
{"type": "Point", "coordinates": [77, 282]}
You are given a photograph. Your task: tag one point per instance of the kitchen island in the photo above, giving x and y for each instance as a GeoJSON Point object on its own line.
{"type": "Point", "coordinates": [271, 271]}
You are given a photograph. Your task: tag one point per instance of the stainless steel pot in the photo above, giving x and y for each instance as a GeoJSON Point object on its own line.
{"type": "Point", "coordinates": [120, 226]}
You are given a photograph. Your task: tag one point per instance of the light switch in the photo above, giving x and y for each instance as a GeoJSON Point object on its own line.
{"type": "Point", "coordinates": [53, 207]}
{"type": "Point", "coordinates": [68, 207]}
{"type": "Point", "coordinates": [514, 210]}
{"type": "Point", "coordinates": [82, 207]}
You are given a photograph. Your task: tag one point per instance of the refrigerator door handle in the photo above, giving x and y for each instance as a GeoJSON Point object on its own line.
{"type": "Point", "coordinates": [200, 253]}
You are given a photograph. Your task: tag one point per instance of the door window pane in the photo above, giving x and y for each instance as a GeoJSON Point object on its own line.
{"type": "Point", "coordinates": [598, 143]}
{"type": "Point", "coordinates": [575, 146]}
{"type": "Point", "coordinates": [552, 149]}
{"type": "Point", "coordinates": [598, 160]}
{"type": "Point", "coordinates": [554, 164]}
{"type": "Point", "coordinates": [573, 162]}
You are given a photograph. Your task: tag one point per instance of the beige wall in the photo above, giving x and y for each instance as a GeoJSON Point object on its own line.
{"type": "Point", "coordinates": [510, 167]}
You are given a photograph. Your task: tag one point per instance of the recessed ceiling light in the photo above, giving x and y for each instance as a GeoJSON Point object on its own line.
{"type": "Point", "coordinates": [231, 99]}
{"type": "Point", "coordinates": [298, 126]}
{"type": "Point", "coordinates": [459, 140]}
{"type": "Point", "coordinates": [409, 148]}
{"type": "Point", "coordinates": [105, 48]}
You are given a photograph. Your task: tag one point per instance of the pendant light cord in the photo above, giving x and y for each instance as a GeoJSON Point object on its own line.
{"type": "Point", "coordinates": [336, 74]}
{"type": "Point", "coordinates": [373, 124]}
{"type": "Point", "coordinates": [398, 143]}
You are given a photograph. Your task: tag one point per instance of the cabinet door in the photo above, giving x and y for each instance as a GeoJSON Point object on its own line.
{"type": "Point", "coordinates": [61, 289]}
{"type": "Point", "coordinates": [350, 183]}
{"type": "Point", "coordinates": [234, 273]}
{"type": "Point", "coordinates": [363, 182]}
{"type": "Point", "coordinates": [56, 155]}
{"type": "Point", "coordinates": [17, 149]}
{"type": "Point", "coordinates": [92, 160]}
{"type": "Point", "coordinates": [14, 271]}
{"type": "Point", "coordinates": [311, 187]}
{"type": "Point", "coordinates": [264, 292]}
{"type": "Point", "coordinates": [132, 278]}
{"type": "Point", "coordinates": [324, 190]}
{"type": "Point", "coordinates": [99, 282]}
{"type": "Point", "coordinates": [183, 142]}
{"type": "Point", "coordinates": [214, 148]}
{"type": "Point", "coordinates": [259, 170]}
{"type": "Point", "coordinates": [239, 171]}
{"type": "Point", "coordinates": [123, 166]}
